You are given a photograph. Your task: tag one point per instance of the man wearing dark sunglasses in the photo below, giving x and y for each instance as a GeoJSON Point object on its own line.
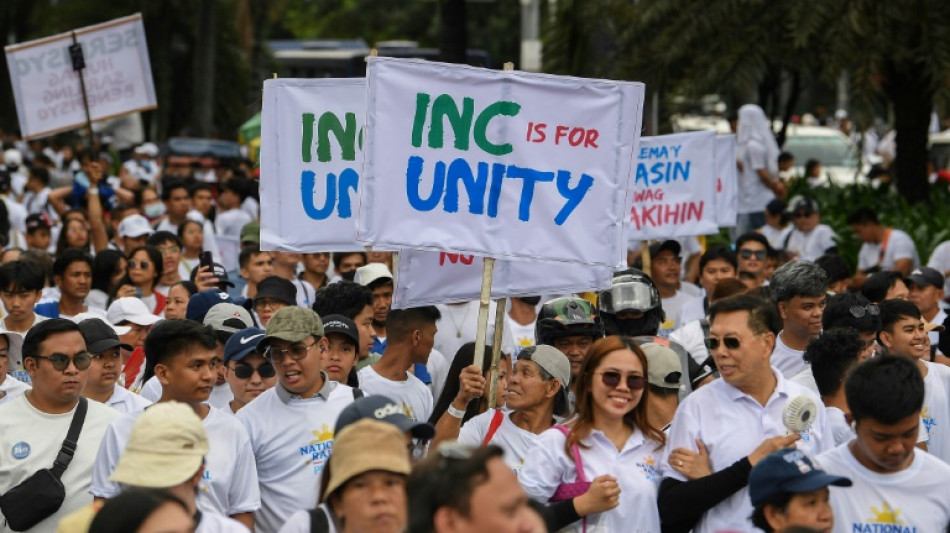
{"type": "Point", "coordinates": [248, 373]}
{"type": "Point", "coordinates": [34, 425]}
{"type": "Point", "coordinates": [752, 251]}
{"type": "Point", "coordinates": [810, 239]}
{"type": "Point", "coordinates": [799, 289]}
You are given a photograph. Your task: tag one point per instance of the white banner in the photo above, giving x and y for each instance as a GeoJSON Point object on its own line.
{"type": "Point", "coordinates": [311, 153]}
{"type": "Point", "coordinates": [727, 185]}
{"type": "Point", "coordinates": [674, 187]}
{"type": "Point", "coordinates": [429, 278]}
{"type": "Point", "coordinates": [495, 163]}
{"type": "Point", "coordinates": [47, 90]}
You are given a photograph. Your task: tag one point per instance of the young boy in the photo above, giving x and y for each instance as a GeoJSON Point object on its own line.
{"type": "Point", "coordinates": [38, 232]}
{"type": "Point", "coordinates": [21, 284]}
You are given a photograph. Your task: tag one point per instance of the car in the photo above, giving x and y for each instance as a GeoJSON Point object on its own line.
{"type": "Point", "coordinates": [840, 161]}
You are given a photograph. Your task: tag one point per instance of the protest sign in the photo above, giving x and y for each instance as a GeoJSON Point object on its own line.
{"type": "Point", "coordinates": [497, 163]}
{"type": "Point", "coordinates": [117, 75]}
{"type": "Point", "coordinates": [429, 278]}
{"type": "Point", "coordinates": [674, 187]}
{"type": "Point", "coordinates": [727, 186]}
{"type": "Point", "coordinates": [311, 151]}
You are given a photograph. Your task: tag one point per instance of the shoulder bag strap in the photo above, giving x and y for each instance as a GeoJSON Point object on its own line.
{"type": "Point", "coordinates": [496, 421]}
{"type": "Point", "coordinates": [65, 455]}
{"type": "Point", "coordinates": [318, 521]}
{"type": "Point", "coordinates": [575, 452]}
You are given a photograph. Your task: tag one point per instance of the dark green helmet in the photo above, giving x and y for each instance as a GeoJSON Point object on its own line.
{"type": "Point", "coordinates": [566, 317]}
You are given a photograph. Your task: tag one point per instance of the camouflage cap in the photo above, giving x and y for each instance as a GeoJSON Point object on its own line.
{"type": "Point", "coordinates": [291, 324]}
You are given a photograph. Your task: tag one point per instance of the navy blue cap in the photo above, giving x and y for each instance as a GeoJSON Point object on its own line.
{"type": "Point", "coordinates": [242, 343]}
{"type": "Point", "coordinates": [200, 303]}
{"type": "Point", "coordinates": [788, 471]}
{"type": "Point", "coordinates": [383, 409]}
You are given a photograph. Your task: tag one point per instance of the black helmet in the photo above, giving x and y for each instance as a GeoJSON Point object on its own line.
{"type": "Point", "coordinates": [565, 317]}
{"type": "Point", "coordinates": [631, 290]}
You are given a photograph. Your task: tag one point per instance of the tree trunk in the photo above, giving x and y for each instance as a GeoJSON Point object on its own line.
{"type": "Point", "coordinates": [793, 94]}
{"type": "Point", "coordinates": [205, 52]}
{"type": "Point", "coordinates": [454, 41]}
{"type": "Point", "coordinates": [913, 98]}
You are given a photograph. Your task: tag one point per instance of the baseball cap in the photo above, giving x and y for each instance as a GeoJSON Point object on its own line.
{"type": "Point", "coordinates": [14, 350]}
{"type": "Point", "coordinates": [100, 336]}
{"type": "Point", "coordinates": [341, 324]}
{"type": "Point", "coordinates": [925, 276]}
{"type": "Point", "coordinates": [367, 274]}
{"type": "Point", "coordinates": [134, 226]}
{"type": "Point", "coordinates": [37, 221]}
{"type": "Point", "coordinates": [664, 366]}
{"type": "Point", "coordinates": [251, 232]}
{"type": "Point", "coordinates": [242, 343]}
{"type": "Point", "coordinates": [148, 149]}
{"type": "Point", "coordinates": [119, 330]}
{"type": "Point", "coordinates": [201, 302]}
{"type": "Point", "coordinates": [219, 272]}
{"type": "Point", "coordinates": [552, 360]}
{"type": "Point", "coordinates": [228, 318]}
{"type": "Point", "coordinates": [364, 446]}
{"type": "Point", "coordinates": [789, 471]}
{"type": "Point", "coordinates": [775, 207]}
{"type": "Point", "coordinates": [278, 288]}
{"type": "Point", "coordinates": [930, 326]}
{"type": "Point", "coordinates": [166, 447]}
{"type": "Point", "coordinates": [383, 409]}
{"type": "Point", "coordinates": [132, 310]}
{"type": "Point", "coordinates": [670, 245]}
{"type": "Point", "coordinates": [804, 204]}
{"type": "Point", "coordinates": [291, 324]}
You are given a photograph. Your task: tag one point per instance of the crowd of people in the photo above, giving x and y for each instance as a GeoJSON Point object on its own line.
{"type": "Point", "coordinates": [160, 372]}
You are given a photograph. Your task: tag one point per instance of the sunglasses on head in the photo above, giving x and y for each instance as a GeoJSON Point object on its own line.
{"type": "Point", "coordinates": [611, 378]}
{"type": "Point", "coordinates": [139, 264]}
{"type": "Point", "coordinates": [858, 311]}
{"type": "Point", "coordinates": [245, 371]}
{"type": "Point", "coordinates": [61, 362]}
{"type": "Point", "coordinates": [713, 343]}
{"type": "Point", "coordinates": [747, 254]}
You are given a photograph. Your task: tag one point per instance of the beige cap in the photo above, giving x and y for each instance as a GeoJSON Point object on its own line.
{"type": "Point", "coordinates": [367, 274]}
{"type": "Point", "coordinates": [364, 446]}
{"type": "Point", "coordinates": [166, 447]}
{"type": "Point", "coordinates": [930, 326]}
{"type": "Point", "coordinates": [664, 365]}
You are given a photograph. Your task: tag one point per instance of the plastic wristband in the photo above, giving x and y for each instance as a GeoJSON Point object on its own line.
{"type": "Point", "coordinates": [457, 413]}
{"type": "Point", "coordinates": [93, 190]}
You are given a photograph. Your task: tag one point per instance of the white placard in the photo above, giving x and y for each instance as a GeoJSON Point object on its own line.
{"type": "Point", "coordinates": [47, 90]}
{"type": "Point", "coordinates": [727, 181]}
{"type": "Point", "coordinates": [674, 187]}
{"type": "Point", "coordinates": [311, 153]}
{"type": "Point", "coordinates": [429, 278]}
{"type": "Point", "coordinates": [503, 164]}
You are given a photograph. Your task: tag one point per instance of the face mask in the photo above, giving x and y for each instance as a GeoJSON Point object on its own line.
{"type": "Point", "coordinates": [154, 210]}
{"type": "Point", "coordinates": [348, 276]}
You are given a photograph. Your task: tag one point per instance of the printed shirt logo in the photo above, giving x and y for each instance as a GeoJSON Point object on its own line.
{"type": "Point", "coordinates": [408, 411]}
{"type": "Point", "coordinates": [318, 450]}
{"type": "Point", "coordinates": [21, 450]}
{"type": "Point", "coordinates": [929, 421]}
{"type": "Point", "coordinates": [883, 520]}
{"type": "Point", "coordinates": [647, 467]}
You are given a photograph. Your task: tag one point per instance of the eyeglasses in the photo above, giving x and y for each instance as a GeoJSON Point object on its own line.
{"type": "Point", "coordinates": [271, 303]}
{"type": "Point", "coordinates": [245, 371]}
{"type": "Point", "coordinates": [747, 254]}
{"type": "Point", "coordinates": [611, 379]}
{"type": "Point", "coordinates": [61, 362]}
{"type": "Point", "coordinates": [858, 311]}
{"type": "Point", "coordinates": [297, 352]}
{"type": "Point", "coordinates": [731, 343]}
{"type": "Point", "coordinates": [139, 264]}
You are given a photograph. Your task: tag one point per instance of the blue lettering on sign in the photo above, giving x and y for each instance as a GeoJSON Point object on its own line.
{"type": "Point", "coordinates": [446, 179]}
{"type": "Point", "coordinates": [659, 152]}
{"type": "Point", "coordinates": [347, 181]}
{"type": "Point", "coordinates": [657, 173]}
{"type": "Point", "coordinates": [21, 450]}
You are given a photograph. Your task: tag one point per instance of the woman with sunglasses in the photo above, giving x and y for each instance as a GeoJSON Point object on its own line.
{"type": "Point", "coordinates": [143, 272]}
{"type": "Point", "coordinates": [248, 373]}
{"type": "Point", "coordinates": [618, 449]}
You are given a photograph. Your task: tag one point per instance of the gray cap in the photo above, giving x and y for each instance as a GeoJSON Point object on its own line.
{"type": "Point", "coordinates": [552, 360]}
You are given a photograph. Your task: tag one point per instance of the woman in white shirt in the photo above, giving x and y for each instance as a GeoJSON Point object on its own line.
{"type": "Point", "coordinates": [618, 449]}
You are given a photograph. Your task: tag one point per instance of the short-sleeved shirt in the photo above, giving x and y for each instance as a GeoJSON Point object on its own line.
{"type": "Point", "coordinates": [812, 245]}
{"type": "Point", "coordinates": [412, 394]}
{"type": "Point", "coordinates": [896, 245]}
{"type": "Point", "coordinates": [753, 194]}
{"type": "Point", "coordinates": [516, 442]}
{"type": "Point", "coordinates": [787, 360]}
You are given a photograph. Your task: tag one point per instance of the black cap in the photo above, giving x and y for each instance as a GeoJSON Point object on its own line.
{"type": "Point", "coordinates": [670, 245]}
{"type": "Point", "coordinates": [278, 288]}
{"type": "Point", "coordinates": [100, 336]}
{"type": "Point", "coordinates": [385, 410]}
{"type": "Point", "coordinates": [775, 207]}
{"type": "Point", "coordinates": [219, 272]}
{"type": "Point", "coordinates": [341, 324]}
{"type": "Point", "coordinates": [925, 276]}
{"type": "Point", "coordinates": [37, 221]}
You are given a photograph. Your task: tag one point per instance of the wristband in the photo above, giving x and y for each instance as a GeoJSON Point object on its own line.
{"type": "Point", "coordinates": [457, 413]}
{"type": "Point", "coordinates": [93, 190]}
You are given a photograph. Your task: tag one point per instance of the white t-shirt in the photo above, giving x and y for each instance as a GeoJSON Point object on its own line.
{"type": "Point", "coordinates": [229, 223]}
{"type": "Point", "coordinates": [213, 523]}
{"type": "Point", "coordinates": [13, 388]}
{"type": "Point", "coordinates": [299, 522]}
{"type": "Point", "coordinates": [732, 425]}
{"type": "Point", "coordinates": [672, 306]}
{"type": "Point", "coordinates": [516, 442]}
{"type": "Point", "coordinates": [412, 394]}
{"type": "Point", "coordinates": [229, 483]}
{"type": "Point", "coordinates": [220, 398]}
{"type": "Point", "coordinates": [934, 335]}
{"type": "Point", "coordinates": [838, 425]}
{"type": "Point", "coordinates": [292, 438]}
{"type": "Point", "coordinates": [899, 246]}
{"type": "Point", "coordinates": [635, 467]}
{"type": "Point", "coordinates": [806, 379]}
{"type": "Point", "coordinates": [31, 439]}
{"type": "Point", "coordinates": [438, 368]}
{"type": "Point", "coordinates": [458, 325]}
{"type": "Point", "coordinates": [36, 320]}
{"type": "Point", "coordinates": [812, 245]}
{"type": "Point", "coordinates": [940, 261]}
{"type": "Point", "coordinates": [776, 236]}
{"type": "Point", "coordinates": [125, 401]}
{"type": "Point", "coordinates": [522, 335]}
{"type": "Point", "coordinates": [909, 501]}
{"type": "Point", "coordinates": [693, 339]}
{"type": "Point", "coordinates": [788, 361]}
{"type": "Point", "coordinates": [693, 309]}
{"type": "Point", "coordinates": [936, 410]}
{"type": "Point", "coordinates": [753, 194]}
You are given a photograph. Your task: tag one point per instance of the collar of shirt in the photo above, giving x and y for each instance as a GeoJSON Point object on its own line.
{"type": "Point", "coordinates": [328, 387]}
{"type": "Point", "coordinates": [781, 389]}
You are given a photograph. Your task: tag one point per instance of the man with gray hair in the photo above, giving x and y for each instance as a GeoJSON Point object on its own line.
{"type": "Point", "coordinates": [799, 290]}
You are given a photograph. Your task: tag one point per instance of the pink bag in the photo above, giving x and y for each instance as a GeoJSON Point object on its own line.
{"type": "Point", "coordinates": [566, 491]}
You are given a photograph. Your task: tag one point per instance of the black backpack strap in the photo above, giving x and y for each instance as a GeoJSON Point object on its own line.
{"type": "Point", "coordinates": [66, 453]}
{"type": "Point", "coordinates": [357, 393]}
{"type": "Point", "coordinates": [319, 523]}
{"type": "Point", "coordinates": [703, 323]}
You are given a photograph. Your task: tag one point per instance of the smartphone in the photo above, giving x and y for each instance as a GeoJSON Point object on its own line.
{"type": "Point", "coordinates": [204, 260]}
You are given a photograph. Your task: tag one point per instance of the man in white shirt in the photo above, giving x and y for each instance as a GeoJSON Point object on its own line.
{"type": "Point", "coordinates": [715, 265]}
{"type": "Point", "coordinates": [34, 425]}
{"type": "Point", "coordinates": [177, 204]}
{"type": "Point", "coordinates": [291, 425]}
{"type": "Point", "coordinates": [666, 261]}
{"type": "Point", "coordinates": [810, 239]}
{"type": "Point", "coordinates": [411, 335]}
{"type": "Point", "coordinates": [896, 487]}
{"type": "Point", "coordinates": [739, 420]}
{"type": "Point", "coordinates": [230, 218]}
{"type": "Point", "coordinates": [520, 320]}
{"type": "Point", "coordinates": [133, 231]}
{"type": "Point", "coordinates": [831, 356]}
{"type": "Point", "coordinates": [799, 290]}
{"type": "Point", "coordinates": [182, 354]}
{"type": "Point", "coordinates": [103, 344]}
{"type": "Point", "coordinates": [883, 248]}
{"type": "Point", "coordinates": [926, 291]}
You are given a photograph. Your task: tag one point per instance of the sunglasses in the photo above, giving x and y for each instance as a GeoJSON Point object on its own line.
{"type": "Point", "coordinates": [139, 264]}
{"type": "Point", "coordinates": [296, 352]}
{"type": "Point", "coordinates": [801, 214]}
{"type": "Point", "coordinates": [747, 254]}
{"type": "Point", "coordinates": [858, 311]}
{"type": "Point", "coordinates": [61, 362]}
{"type": "Point", "coordinates": [611, 379]}
{"type": "Point", "coordinates": [731, 343]}
{"type": "Point", "coordinates": [245, 371]}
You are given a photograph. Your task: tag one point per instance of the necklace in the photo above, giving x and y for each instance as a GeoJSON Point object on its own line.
{"type": "Point", "coordinates": [457, 325]}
